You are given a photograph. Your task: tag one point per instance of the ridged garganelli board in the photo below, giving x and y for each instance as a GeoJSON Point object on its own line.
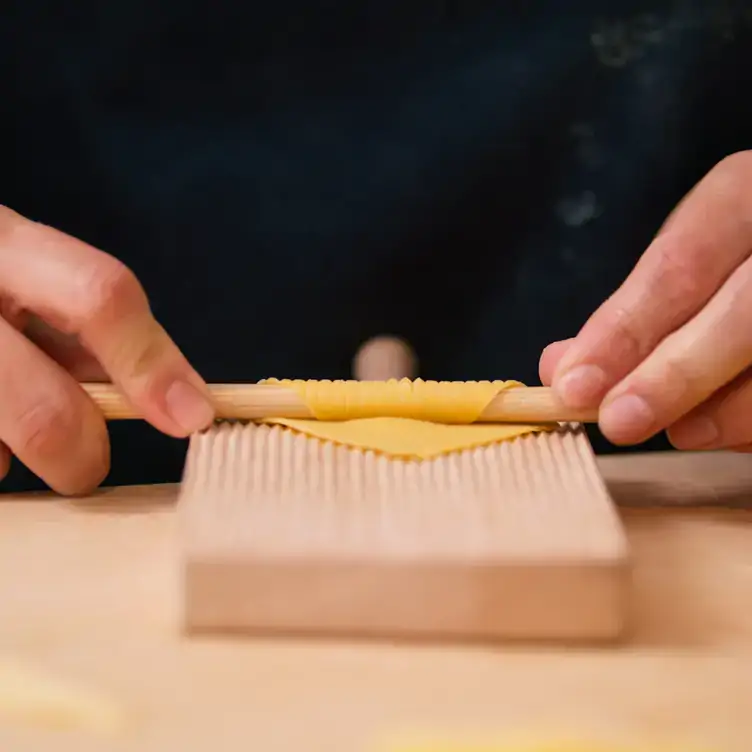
{"type": "Point", "coordinates": [286, 534]}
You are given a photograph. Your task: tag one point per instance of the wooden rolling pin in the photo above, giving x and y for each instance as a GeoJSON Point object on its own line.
{"type": "Point", "coordinates": [255, 401]}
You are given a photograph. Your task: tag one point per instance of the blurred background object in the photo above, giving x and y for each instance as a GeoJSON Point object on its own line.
{"type": "Point", "coordinates": [383, 358]}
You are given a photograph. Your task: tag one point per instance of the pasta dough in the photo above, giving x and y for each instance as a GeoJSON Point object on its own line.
{"type": "Point", "coordinates": [407, 419]}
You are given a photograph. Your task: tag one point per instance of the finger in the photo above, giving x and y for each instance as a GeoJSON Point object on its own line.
{"type": "Point", "coordinates": [46, 420]}
{"type": "Point", "coordinates": [84, 292]}
{"type": "Point", "coordinates": [13, 313]}
{"type": "Point", "coordinates": [66, 350]}
{"type": "Point", "coordinates": [686, 368]}
{"type": "Point", "coordinates": [706, 238]}
{"type": "Point", "coordinates": [550, 358]}
{"type": "Point", "coordinates": [723, 422]}
{"type": "Point", "coordinates": [4, 461]}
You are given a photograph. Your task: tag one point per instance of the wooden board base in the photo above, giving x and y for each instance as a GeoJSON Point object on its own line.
{"type": "Point", "coordinates": [284, 533]}
{"type": "Point", "coordinates": [89, 589]}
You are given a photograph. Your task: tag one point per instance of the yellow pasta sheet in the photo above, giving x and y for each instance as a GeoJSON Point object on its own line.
{"type": "Point", "coordinates": [402, 418]}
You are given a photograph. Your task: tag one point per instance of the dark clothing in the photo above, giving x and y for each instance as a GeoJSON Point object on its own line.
{"type": "Point", "coordinates": [290, 179]}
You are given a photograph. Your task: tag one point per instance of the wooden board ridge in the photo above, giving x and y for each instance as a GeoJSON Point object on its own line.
{"type": "Point", "coordinates": [283, 533]}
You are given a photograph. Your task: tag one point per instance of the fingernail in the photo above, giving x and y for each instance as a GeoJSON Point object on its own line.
{"type": "Point", "coordinates": [583, 386]}
{"type": "Point", "coordinates": [627, 419]}
{"type": "Point", "coordinates": [694, 433]}
{"type": "Point", "coordinates": [188, 407]}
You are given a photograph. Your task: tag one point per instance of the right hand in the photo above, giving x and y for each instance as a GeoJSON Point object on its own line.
{"type": "Point", "coordinates": [70, 313]}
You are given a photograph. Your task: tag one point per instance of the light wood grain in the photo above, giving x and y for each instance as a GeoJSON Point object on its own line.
{"type": "Point", "coordinates": [516, 540]}
{"type": "Point", "coordinates": [256, 401]}
{"type": "Point", "coordinates": [88, 592]}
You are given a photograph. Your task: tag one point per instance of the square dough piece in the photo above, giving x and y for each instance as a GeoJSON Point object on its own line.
{"type": "Point", "coordinates": [284, 534]}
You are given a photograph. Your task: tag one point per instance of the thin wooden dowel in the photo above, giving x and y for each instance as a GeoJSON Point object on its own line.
{"type": "Point", "coordinates": [256, 401]}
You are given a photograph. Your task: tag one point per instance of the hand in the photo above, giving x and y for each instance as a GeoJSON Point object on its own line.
{"type": "Point", "coordinates": [71, 313]}
{"type": "Point", "coordinates": [672, 347]}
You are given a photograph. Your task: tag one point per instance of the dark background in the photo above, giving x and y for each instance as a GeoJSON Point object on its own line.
{"type": "Point", "coordinates": [289, 180]}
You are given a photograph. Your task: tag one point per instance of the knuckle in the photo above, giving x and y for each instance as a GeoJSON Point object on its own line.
{"type": "Point", "coordinates": [681, 276]}
{"type": "Point", "coordinates": [142, 355]}
{"type": "Point", "coordinates": [55, 438]}
{"type": "Point", "coordinates": [625, 333]}
{"type": "Point", "coordinates": [678, 379]}
{"type": "Point", "coordinates": [106, 290]}
{"type": "Point", "coordinates": [45, 427]}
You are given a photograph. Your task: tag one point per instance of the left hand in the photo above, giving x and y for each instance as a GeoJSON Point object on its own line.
{"type": "Point", "coordinates": [672, 347]}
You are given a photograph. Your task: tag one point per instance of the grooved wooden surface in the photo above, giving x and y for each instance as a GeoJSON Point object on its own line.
{"type": "Point", "coordinates": [88, 594]}
{"type": "Point", "coordinates": [516, 539]}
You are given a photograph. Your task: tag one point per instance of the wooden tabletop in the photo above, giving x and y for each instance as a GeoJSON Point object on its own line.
{"type": "Point", "coordinates": [88, 598]}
